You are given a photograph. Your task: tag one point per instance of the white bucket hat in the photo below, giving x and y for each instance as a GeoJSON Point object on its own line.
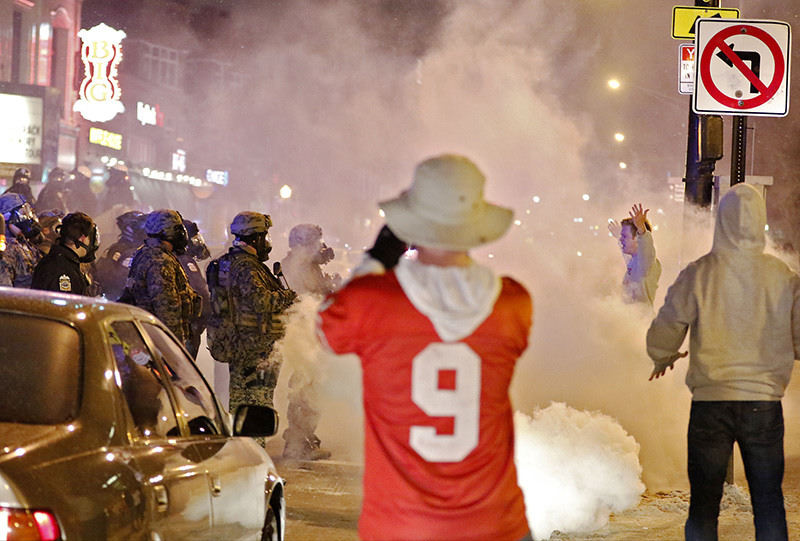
{"type": "Point", "coordinates": [444, 208]}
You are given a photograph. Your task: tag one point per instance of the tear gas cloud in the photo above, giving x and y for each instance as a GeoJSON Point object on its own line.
{"type": "Point", "coordinates": [344, 121]}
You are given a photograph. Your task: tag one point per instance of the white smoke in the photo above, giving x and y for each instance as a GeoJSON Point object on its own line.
{"type": "Point", "coordinates": [575, 468]}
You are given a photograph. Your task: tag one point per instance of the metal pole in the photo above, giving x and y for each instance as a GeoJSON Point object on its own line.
{"type": "Point", "coordinates": [699, 179]}
{"type": "Point", "coordinates": [738, 149]}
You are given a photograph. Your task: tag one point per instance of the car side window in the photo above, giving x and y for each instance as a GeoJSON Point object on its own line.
{"type": "Point", "coordinates": [193, 395]}
{"type": "Point", "coordinates": [142, 386]}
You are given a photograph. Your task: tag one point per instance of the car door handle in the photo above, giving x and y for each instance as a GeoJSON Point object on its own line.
{"type": "Point", "coordinates": [162, 498]}
{"type": "Point", "coordinates": [216, 487]}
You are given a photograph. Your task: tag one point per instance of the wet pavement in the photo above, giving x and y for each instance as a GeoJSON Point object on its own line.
{"type": "Point", "coordinates": [323, 498]}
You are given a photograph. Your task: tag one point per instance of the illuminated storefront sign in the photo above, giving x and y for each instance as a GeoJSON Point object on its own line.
{"type": "Point", "coordinates": [179, 161]}
{"type": "Point", "coordinates": [167, 176]}
{"type": "Point", "coordinates": [101, 52]}
{"type": "Point", "coordinates": [217, 177]}
{"type": "Point", "coordinates": [105, 138]}
{"type": "Point", "coordinates": [149, 115]}
{"type": "Point", "coordinates": [21, 129]}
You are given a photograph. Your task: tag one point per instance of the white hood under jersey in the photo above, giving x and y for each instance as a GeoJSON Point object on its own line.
{"type": "Point", "coordinates": [742, 306]}
{"type": "Point", "coordinates": [456, 299]}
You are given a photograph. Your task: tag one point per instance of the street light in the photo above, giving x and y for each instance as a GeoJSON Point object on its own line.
{"type": "Point", "coordinates": [619, 137]}
{"type": "Point", "coordinates": [613, 84]}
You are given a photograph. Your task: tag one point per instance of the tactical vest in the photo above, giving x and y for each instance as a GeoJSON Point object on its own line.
{"type": "Point", "coordinates": [218, 278]}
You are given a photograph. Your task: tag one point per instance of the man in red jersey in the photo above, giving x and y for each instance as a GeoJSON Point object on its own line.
{"type": "Point", "coordinates": [438, 336]}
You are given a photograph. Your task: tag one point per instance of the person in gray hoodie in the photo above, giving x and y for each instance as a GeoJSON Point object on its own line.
{"type": "Point", "coordinates": [743, 309]}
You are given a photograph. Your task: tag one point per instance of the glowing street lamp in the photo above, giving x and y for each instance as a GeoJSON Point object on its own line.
{"type": "Point", "coordinates": [613, 84]}
{"type": "Point", "coordinates": [623, 165]}
{"type": "Point", "coordinates": [619, 137]}
{"type": "Point", "coordinates": [285, 192]}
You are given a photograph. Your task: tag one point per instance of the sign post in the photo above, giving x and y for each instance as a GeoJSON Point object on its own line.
{"type": "Point", "coordinates": [742, 69]}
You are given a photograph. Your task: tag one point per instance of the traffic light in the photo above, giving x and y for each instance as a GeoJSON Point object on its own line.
{"type": "Point", "coordinates": [710, 137]}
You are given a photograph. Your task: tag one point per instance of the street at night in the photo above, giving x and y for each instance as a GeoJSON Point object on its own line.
{"type": "Point", "coordinates": [413, 270]}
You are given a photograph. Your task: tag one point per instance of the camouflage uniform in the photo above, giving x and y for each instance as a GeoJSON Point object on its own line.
{"type": "Point", "coordinates": [302, 267]}
{"type": "Point", "coordinates": [244, 329]}
{"type": "Point", "coordinates": [196, 251]}
{"type": "Point", "coordinates": [20, 256]}
{"type": "Point", "coordinates": [157, 282]}
{"type": "Point", "coordinates": [198, 282]}
{"type": "Point", "coordinates": [18, 262]}
{"type": "Point", "coordinates": [246, 303]}
{"type": "Point", "coordinates": [160, 286]}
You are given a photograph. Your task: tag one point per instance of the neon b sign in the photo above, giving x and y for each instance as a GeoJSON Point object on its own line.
{"type": "Point", "coordinates": [101, 52]}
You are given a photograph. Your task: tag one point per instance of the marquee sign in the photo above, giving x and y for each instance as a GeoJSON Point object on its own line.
{"type": "Point", "coordinates": [105, 138]}
{"type": "Point", "coordinates": [101, 52]}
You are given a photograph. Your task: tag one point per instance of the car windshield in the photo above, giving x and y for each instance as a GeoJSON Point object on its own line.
{"type": "Point", "coordinates": [40, 370]}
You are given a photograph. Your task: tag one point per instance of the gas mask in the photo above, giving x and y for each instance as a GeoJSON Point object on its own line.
{"type": "Point", "coordinates": [179, 239]}
{"type": "Point", "coordinates": [262, 245]}
{"type": "Point", "coordinates": [324, 255]}
{"type": "Point", "coordinates": [24, 219]}
{"type": "Point", "coordinates": [197, 248]}
{"type": "Point", "coordinates": [91, 247]}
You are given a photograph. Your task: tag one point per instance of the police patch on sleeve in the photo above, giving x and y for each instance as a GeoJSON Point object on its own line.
{"type": "Point", "coordinates": [192, 267]}
{"type": "Point", "coordinates": [64, 283]}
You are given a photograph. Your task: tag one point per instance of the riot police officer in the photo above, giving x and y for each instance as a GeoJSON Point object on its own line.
{"type": "Point", "coordinates": [60, 270]}
{"type": "Point", "coordinates": [247, 301]}
{"type": "Point", "coordinates": [23, 232]}
{"type": "Point", "coordinates": [196, 251]}
{"type": "Point", "coordinates": [156, 280]}
{"type": "Point", "coordinates": [52, 195]}
{"type": "Point", "coordinates": [112, 268]}
{"type": "Point", "coordinates": [21, 184]}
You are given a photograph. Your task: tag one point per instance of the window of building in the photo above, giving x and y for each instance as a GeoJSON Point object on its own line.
{"type": "Point", "coordinates": [160, 65]}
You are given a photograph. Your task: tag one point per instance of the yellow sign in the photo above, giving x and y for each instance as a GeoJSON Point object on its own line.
{"type": "Point", "coordinates": [684, 19]}
{"type": "Point", "coordinates": [105, 138]}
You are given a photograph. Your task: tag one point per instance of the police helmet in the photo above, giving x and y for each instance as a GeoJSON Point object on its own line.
{"type": "Point", "coordinates": [17, 212]}
{"type": "Point", "coordinates": [10, 202]}
{"type": "Point", "coordinates": [23, 174]}
{"type": "Point", "coordinates": [167, 224]}
{"type": "Point", "coordinates": [249, 223]}
{"type": "Point", "coordinates": [56, 174]}
{"type": "Point", "coordinates": [81, 172]}
{"type": "Point", "coordinates": [131, 219]}
{"type": "Point", "coordinates": [305, 235]}
{"type": "Point", "coordinates": [74, 226]}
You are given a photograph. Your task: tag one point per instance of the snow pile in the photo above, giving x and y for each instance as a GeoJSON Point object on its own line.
{"type": "Point", "coordinates": [575, 468]}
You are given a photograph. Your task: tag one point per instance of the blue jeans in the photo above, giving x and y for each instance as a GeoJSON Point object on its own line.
{"type": "Point", "coordinates": [758, 429]}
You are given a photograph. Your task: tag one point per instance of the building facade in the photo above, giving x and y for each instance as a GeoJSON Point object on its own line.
{"type": "Point", "coordinates": [38, 63]}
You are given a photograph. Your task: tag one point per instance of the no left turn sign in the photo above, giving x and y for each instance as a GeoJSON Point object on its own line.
{"type": "Point", "coordinates": [742, 67]}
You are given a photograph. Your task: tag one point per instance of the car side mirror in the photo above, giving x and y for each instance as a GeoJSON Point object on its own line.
{"type": "Point", "coordinates": [255, 421]}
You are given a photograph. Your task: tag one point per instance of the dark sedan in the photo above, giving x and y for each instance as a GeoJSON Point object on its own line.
{"type": "Point", "coordinates": [109, 431]}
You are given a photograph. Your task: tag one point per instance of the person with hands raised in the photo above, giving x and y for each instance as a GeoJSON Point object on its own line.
{"type": "Point", "coordinates": [643, 269]}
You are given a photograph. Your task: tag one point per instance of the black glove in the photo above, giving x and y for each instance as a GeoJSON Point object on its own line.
{"type": "Point", "coordinates": [387, 248]}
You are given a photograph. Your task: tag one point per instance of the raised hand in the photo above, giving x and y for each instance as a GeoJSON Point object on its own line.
{"type": "Point", "coordinates": [614, 228]}
{"type": "Point", "coordinates": [639, 215]}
